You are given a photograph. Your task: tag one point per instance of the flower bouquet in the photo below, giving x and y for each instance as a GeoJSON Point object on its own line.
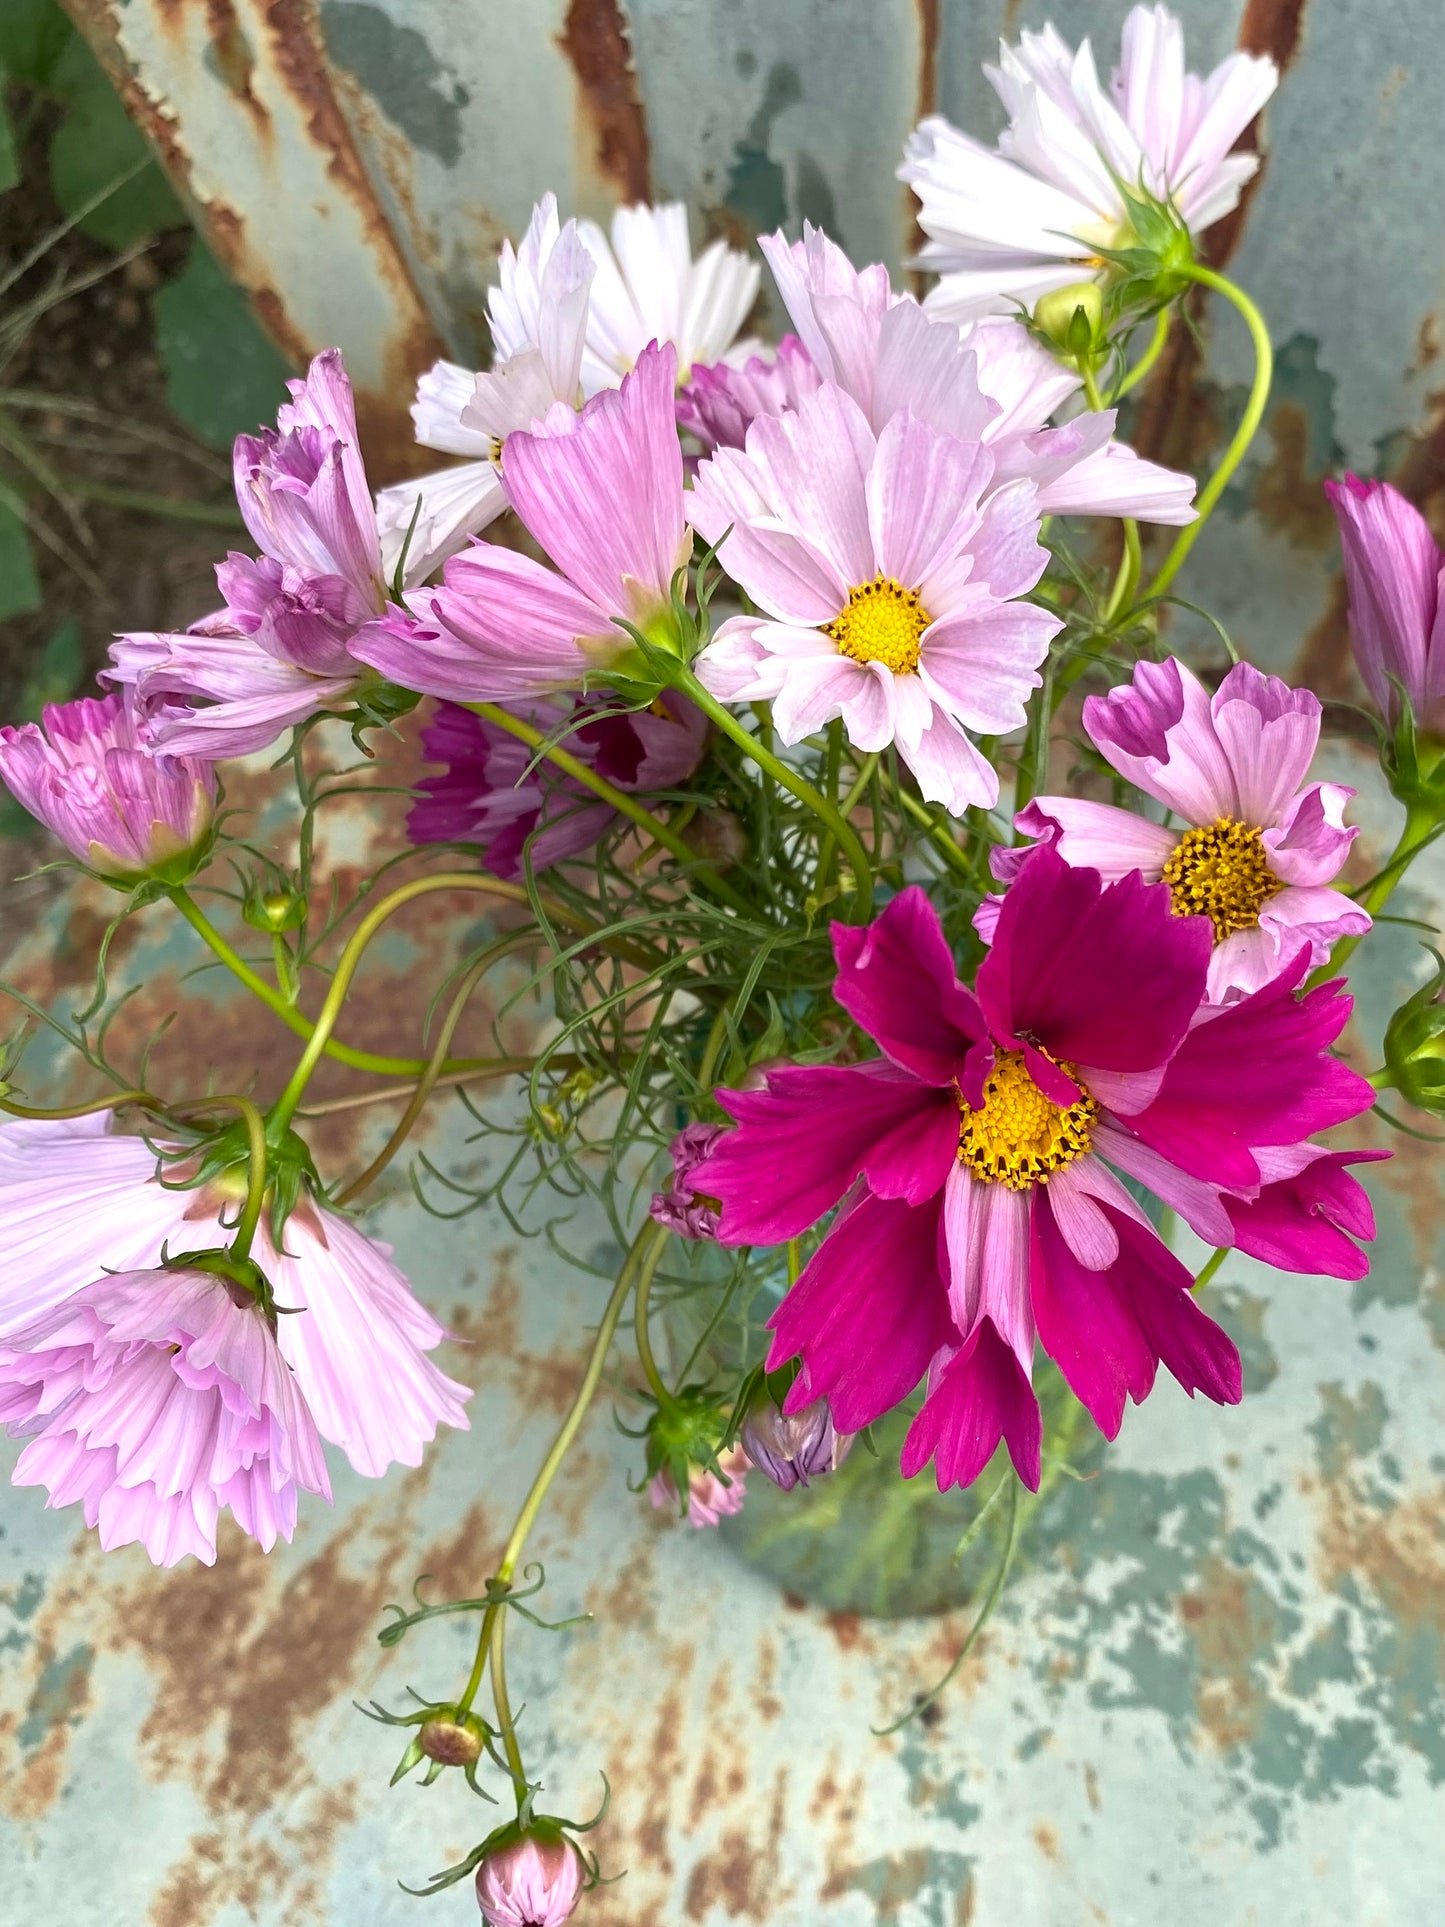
{"type": "Point", "coordinates": [925, 942]}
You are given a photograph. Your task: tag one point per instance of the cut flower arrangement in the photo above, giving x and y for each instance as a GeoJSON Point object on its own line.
{"type": "Point", "coordinates": [747, 671]}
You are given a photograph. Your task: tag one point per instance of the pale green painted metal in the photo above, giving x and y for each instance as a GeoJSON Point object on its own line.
{"type": "Point", "coordinates": [1216, 1694]}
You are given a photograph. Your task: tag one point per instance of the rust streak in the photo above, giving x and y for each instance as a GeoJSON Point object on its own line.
{"type": "Point", "coordinates": [594, 39]}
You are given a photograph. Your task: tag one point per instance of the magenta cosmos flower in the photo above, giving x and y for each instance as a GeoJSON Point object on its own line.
{"type": "Point", "coordinates": [156, 1400]}
{"type": "Point", "coordinates": [1393, 570]}
{"type": "Point", "coordinates": [976, 1163]}
{"type": "Point", "coordinates": [491, 794]}
{"type": "Point", "coordinates": [602, 494]}
{"type": "Point", "coordinates": [90, 774]}
{"type": "Point", "coordinates": [887, 580]}
{"type": "Point", "coordinates": [534, 1880]}
{"type": "Point", "coordinates": [1258, 848]}
{"type": "Point", "coordinates": [278, 651]}
{"type": "Point", "coordinates": [989, 382]}
{"type": "Point", "coordinates": [76, 1200]}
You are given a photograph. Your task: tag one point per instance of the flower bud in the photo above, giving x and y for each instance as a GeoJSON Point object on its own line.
{"type": "Point", "coordinates": [793, 1448]}
{"type": "Point", "coordinates": [1415, 1047]}
{"type": "Point", "coordinates": [1071, 319]}
{"type": "Point", "coordinates": [273, 908]}
{"type": "Point", "coordinates": [709, 1497]}
{"type": "Point", "coordinates": [530, 1879]}
{"type": "Point", "coordinates": [451, 1742]}
{"type": "Point", "coordinates": [688, 1213]}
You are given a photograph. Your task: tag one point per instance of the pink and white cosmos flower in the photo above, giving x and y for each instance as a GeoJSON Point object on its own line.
{"type": "Point", "coordinates": [534, 1880]}
{"type": "Point", "coordinates": [887, 572]}
{"type": "Point", "coordinates": [279, 650]}
{"type": "Point", "coordinates": [989, 382]}
{"type": "Point", "coordinates": [156, 1400]}
{"type": "Point", "coordinates": [1395, 572]}
{"type": "Point", "coordinates": [602, 494]}
{"type": "Point", "coordinates": [1005, 226]}
{"type": "Point", "coordinates": [1259, 847]}
{"type": "Point", "coordinates": [976, 1163]}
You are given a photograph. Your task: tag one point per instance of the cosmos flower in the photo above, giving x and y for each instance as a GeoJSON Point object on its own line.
{"type": "Point", "coordinates": [490, 793]}
{"type": "Point", "coordinates": [679, 1207]}
{"type": "Point", "coordinates": [887, 578]}
{"type": "Point", "coordinates": [89, 773]}
{"type": "Point", "coordinates": [793, 1448]}
{"type": "Point", "coordinates": [719, 400]}
{"type": "Point", "coordinates": [1393, 570]}
{"type": "Point", "coordinates": [1006, 226]}
{"type": "Point", "coordinates": [157, 1400]}
{"type": "Point", "coordinates": [531, 1879]}
{"type": "Point", "coordinates": [77, 1200]}
{"type": "Point", "coordinates": [976, 1164]}
{"type": "Point", "coordinates": [709, 1497]}
{"type": "Point", "coordinates": [279, 650]}
{"type": "Point", "coordinates": [602, 494]}
{"type": "Point", "coordinates": [1259, 847]}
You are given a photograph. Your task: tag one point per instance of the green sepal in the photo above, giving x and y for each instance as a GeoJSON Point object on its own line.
{"type": "Point", "coordinates": [1415, 1044]}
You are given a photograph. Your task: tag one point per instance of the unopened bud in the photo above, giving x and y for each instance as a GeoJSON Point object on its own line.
{"type": "Point", "coordinates": [685, 1211]}
{"type": "Point", "coordinates": [452, 1742]}
{"type": "Point", "coordinates": [1415, 1047]}
{"type": "Point", "coordinates": [1072, 319]}
{"type": "Point", "coordinates": [709, 1497]}
{"type": "Point", "coordinates": [794, 1448]}
{"type": "Point", "coordinates": [530, 1879]}
{"type": "Point", "coordinates": [273, 908]}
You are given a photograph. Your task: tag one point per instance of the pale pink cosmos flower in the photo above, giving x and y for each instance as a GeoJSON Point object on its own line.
{"type": "Point", "coordinates": [989, 382]}
{"type": "Point", "coordinates": [532, 1881]}
{"type": "Point", "coordinates": [1394, 570]}
{"type": "Point", "coordinates": [1257, 848]}
{"type": "Point", "coordinates": [89, 773]}
{"type": "Point", "coordinates": [1005, 226]}
{"type": "Point", "coordinates": [278, 651]}
{"type": "Point", "coordinates": [709, 1497]}
{"type": "Point", "coordinates": [887, 577]}
{"type": "Point", "coordinates": [157, 1400]}
{"type": "Point", "coordinates": [602, 494]}
{"type": "Point", "coordinates": [77, 1199]}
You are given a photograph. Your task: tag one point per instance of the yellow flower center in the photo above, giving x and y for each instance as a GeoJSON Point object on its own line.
{"type": "Point", "coordinates": [883, 622]}
{"type": "Point", "coordinates": [1019, 1136]}
{"type": "Point", "coordinates": [1220, 871]}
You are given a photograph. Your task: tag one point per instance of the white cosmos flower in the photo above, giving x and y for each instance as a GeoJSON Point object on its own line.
{"type": "Point", "coordinates": [570, 317]}
{"type": "Point", "coordinates": [1007, 225]}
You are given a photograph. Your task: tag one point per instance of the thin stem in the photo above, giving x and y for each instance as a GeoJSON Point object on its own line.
{"type": "Point", "coordinates": [214, 515]}
{"type": "Point", "coordinates": [846, 808]}
{"type": "Point", "coordinates": [255, 1165]}
{"type": "Point", "coordinates": [1209, 1267]}
{"type": "Point", "coordinates": [506, 1725]}
{"type": "Point", "coordinates": [1243, 435]}
{"type": "Point", "coordinates": [843, 832]}
{"type": "Point", "coordinates": [1131, 564]}
{"type": "Point", "coordinates": [1420, 824]}
{"type": "Point", "coordinates": [1150, 355]}
{"type": "Point", "coordinates": [12, 1109]}
{"type": "Point", "coordinates": [619, 800]}
{"type": "Point", "coordinates": [937, 833]}
{"type": "Point", "coordinates": [480, 1073]}
{"type": "Point", "coordinates": [640, 1325]}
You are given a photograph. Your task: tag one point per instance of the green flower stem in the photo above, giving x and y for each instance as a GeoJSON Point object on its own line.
{"type": "Point", "coordinates": [112, 1103]}
{"type": "Point", "coordinates": [937, 833]}
{"type": "Point", "coordinates": [1421, 824]}
{"type": "Point", "coordinates": [845, 809]}
{"type": "Point", "coordinates": [219, 515]}
{"type": "Point", "coordinates": [1209, 1267]}
{"type": "Point", "coordinates": [626, 805]}
{"type": "Point", "coordinates": [843, 832]}
{"type": "Point", "coordinates": [506, 1725]}
{"type": "Point", "coordinates": [1147, 360]}
{"type": "Point", "coordinates": [640, 1308]}
{"type": "Point", "coordinates": [1127, 579]}
{"type": "Point", "coordinates": [1243, 435]}
{"type": "Point", "coordinates": [255, 1165]}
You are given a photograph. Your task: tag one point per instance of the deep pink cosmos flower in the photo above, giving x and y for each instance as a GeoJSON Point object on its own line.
{"type": "Point", "coordinates": [1393, 570]}
{"type": "Point", "coordinates": [76, 1200]}
{"type": "Point", "coordinates": [90, 773]}
{"type": "Point", "coordinates": [602, 494]}
{"type": "Point", "coordinates": [679, 1207]}
{"type": "Point", "coordinates": [278, 651]}
{"type": "Point", "coordinates": [156, 1400]}
{"type": "Point", "coordinates": [534, 1879]}
{"type": "Point", "coordinates": [888, 582]}
{"type": "Point", "coordinates": [723, 398]}
{"type": "Point", "coordinates": [489, 792]}
{"type": "Point", "coordinates": [976, 1163]}
{"type": "Point", "coordinates": [1259, 847]}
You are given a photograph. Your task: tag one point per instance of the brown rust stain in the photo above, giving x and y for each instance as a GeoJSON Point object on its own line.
{"type": "Point", "coordinates": [925, 100]}
{"type": "Point", "coordinates": [1287, 495]}
{"type": "Point", "coordinates": [595, 41]}
{"type": "Point", "coordinates": [1399, 1551]}
{"type": "Point", "coordinates": [741, 1876]}
{"type": "Point", "coordinates": [1046, 1839]}
{"type": "Point", "coordinates": [1231, 1622]}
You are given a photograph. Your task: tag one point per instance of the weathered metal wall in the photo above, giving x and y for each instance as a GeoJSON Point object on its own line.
{"type": "Point", "coordinates": [1217, 1696]}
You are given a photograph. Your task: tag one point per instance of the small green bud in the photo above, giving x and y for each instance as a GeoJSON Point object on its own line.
{"type": "Point", "coordinates": [1071, 320]}
{"type": "Point", "coordinates": [274, 907]}
{"type": "Point", "coordinates": [1415, 1046]}
{"type": "Point", "coordinates": [452, 1741]}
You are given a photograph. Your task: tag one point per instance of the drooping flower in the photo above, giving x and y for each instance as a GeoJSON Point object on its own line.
{"type": "Point", "coordinates": [793, 1448]}
{"type": "Point", "coordinates": [1259, 849]}
{"type": "Point", "coordinates": [278, 651]}
{"type": "Point", "coordinates": [89, 772]}
{"type": "Point", "coordinates": [538, 317]}
{"type": "Point", "coordinates": [722, 398]}
{"type": "Point", "coordinates": [710, 1497]}
{"type": "Point", "coordinates": [76, 1200]}
{"type": "Point", "coordinates": [530, 1879]}
{"type": "Point", "coordinates": [680, 1208]}
{"type": "Point", "coordinates": [888, 578]}
{"type": "Point", "coordinates": [158, 1399]}
{"type": "Point", "coordinates": [989, 381]}
{"type": "Point", "coordinates": [976, 1163]}
{"type": "Point", "coordinates": [1393, 570]}
{"type": "Point", "coordinates": [489, 793]}
{"type": "Point", "coordinates": [1007, 225]}
{"type": "Point", "coordinates": [602, 494]}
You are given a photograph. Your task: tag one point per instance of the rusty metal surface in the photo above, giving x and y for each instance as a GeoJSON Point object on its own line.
{"type": "Point", "coordinates": [1217, 1694]}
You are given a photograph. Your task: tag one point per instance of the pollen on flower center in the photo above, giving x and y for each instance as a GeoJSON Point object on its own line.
{"type": "Point", "coordinates": [883, 622]}
{"type": "Point", "coordinates": [1019, 1136]}
{"type": "Point", "coordinates": [1221, 871]}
